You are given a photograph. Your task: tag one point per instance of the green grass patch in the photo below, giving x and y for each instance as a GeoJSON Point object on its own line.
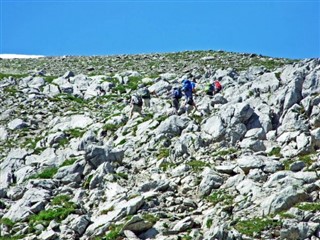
{"type": "Point", "coordinates": [287, 163]}
{"type": "Point", "coordinates": [164, 166]}
{"type": "Point", "coordinates": [46, 173]}
{"type": "Point", "coordinates": [150, 218]}
{"type": "Point", "coordinates": [110, 127]}
{"type": "Point", "coordinates": [63, 142]}
{"type": "Point", "coordinates": [15, 76]}
{"type": "Point", "coordinates": [123, 141]}
{"type": "Point", "coordinates": [87, 182]}
{"type": "Point", "coordinates": [220, 196]}
{"type": "Point", "coordinates": [114, 232]}
{"type": "Point", "coordinates": [16, 237]}
{"type": "Point", "coordinates": [60, 200]}
{"type": "Point", "coordinates": [7, 222]}
{"type": "Point", "coordinates": [163, 153]}
{"type": "Point", "coordinates": [286, 215]}
{"type": "Point", "coordinates": [49, 79]}
{"type": "Point", "coordinates": [68, 162]}
{"type": "Point", "coordinates": [307, 159]}
{"type": "Point", "coordinates": [57, 214]}
{"type": "Point", "coordinates": [75, 132]}
{"type": "Point", "coordinates": [313, 207]}
{"type": "Point", "coordinates": [10, 90]}
{"type": "Point", "coordinates": [275, 152]}
{"type": "Point", "coordinates": [209, 222]}
{"type": "Point", "coordinates": [254, 227]}
{"type": "Point", "coordinates": [122, 175]}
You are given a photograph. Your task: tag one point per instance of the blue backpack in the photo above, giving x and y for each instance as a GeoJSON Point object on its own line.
{"type": "Point", "coordinates": [186, 85]}
{"type": "Point", "coordinates": [177, 93]}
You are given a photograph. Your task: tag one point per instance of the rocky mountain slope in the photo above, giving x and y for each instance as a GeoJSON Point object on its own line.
{"type": "Point", "coordinates": [244, 166]}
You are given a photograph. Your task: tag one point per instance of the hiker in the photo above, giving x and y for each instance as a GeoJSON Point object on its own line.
{"type": "Point", "coordinates": [187, 89]}
{"type": "Point", "coordinates": [210, 89]}
{"type": "Point", "coordinates": [145, 95]}
{"type": "Point", "coordinates": [136, 104]}
{"type": "Point", "coordinates": [217, 86]}
{"type": "Point", "coordinates": [175, 97]}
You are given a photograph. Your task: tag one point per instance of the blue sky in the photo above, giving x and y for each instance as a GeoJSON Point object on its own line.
{"type": "Point", "coordinates": [289, 29]}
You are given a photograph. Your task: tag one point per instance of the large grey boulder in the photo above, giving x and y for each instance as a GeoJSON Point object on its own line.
{"type": "Point", "coordinates": [36, 82]}
{"type": "Point", "coordinates": [311, 83]}
{"type": "Point", "coordinates": [70, 122]}
{"type": "Point", "coordinates": [172, 126]}
{"type": "Point", "coordinates": [32, 202]}
{"type": "Point", "coordinates": [17, 124]}
{"type": "Point", "coordinates": [283, 200]}
{"type": "Point", "coordinates": [70, 174]}
{"type": "Point", "coordinates": [10, 164]}
{"type": "Point", "coordinates": [51, 90]}
{"type": "Point", "coordinates": [247, 162]}
{"type": "Point", "coordinates": [214, 127]}
{"type": "Point", "coordinates": [96, 155]}
{"type": "Point", "coordinates": [255, 145]}
{"type": "Point", "coordinates": [137, 224]}
{"type": "Point", "coordinates": [293, 77]}
{"type": "Point", "coordinates": [210, 180]}
{"type": "Point", "coordinates": [183, 224]}
{"type": "Point", "coordinates": [236, 113]}
{"type": "Point", "coordinates": [267, 82]}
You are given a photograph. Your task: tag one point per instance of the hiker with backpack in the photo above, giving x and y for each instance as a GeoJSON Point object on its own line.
{"type": "Point", "coordinates": [217, 86]}
{"type": "Point", "coordinates": [187, 89]}
{"type": "Point", "coordinates": [145, 95]}
{"type": "Point", "coordinates": [175, 98]}
{"type": "Point", "coordinates": [136, 104]}
{"type": "Point", "coordinates": [210, 89]}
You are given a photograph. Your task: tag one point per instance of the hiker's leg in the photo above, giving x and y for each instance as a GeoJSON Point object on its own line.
{"type": "Point", "coordinates": [131, 111]}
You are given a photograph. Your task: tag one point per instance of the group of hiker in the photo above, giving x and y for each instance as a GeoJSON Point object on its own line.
{"type": "Point", "coordinates": [187, 89]}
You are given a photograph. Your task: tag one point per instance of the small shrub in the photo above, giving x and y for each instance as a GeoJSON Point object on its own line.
{"type": "Point", "coordinates": [209, 223]}
{"type": "Point", "coordinates": [220, 196]}
{"type": "Point", "coordinates": [197, 165]}
{"type": "Point", "coordinates": [163, 153]}
{"type": "Point", "coordinates": [123, 141]}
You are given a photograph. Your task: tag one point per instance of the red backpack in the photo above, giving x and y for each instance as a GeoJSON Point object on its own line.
{"type": "Point", "coordinates": [217, 85]}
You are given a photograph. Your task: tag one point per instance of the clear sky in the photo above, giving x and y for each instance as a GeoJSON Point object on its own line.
{"type": "Point", "coordinates": [275, 28]}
